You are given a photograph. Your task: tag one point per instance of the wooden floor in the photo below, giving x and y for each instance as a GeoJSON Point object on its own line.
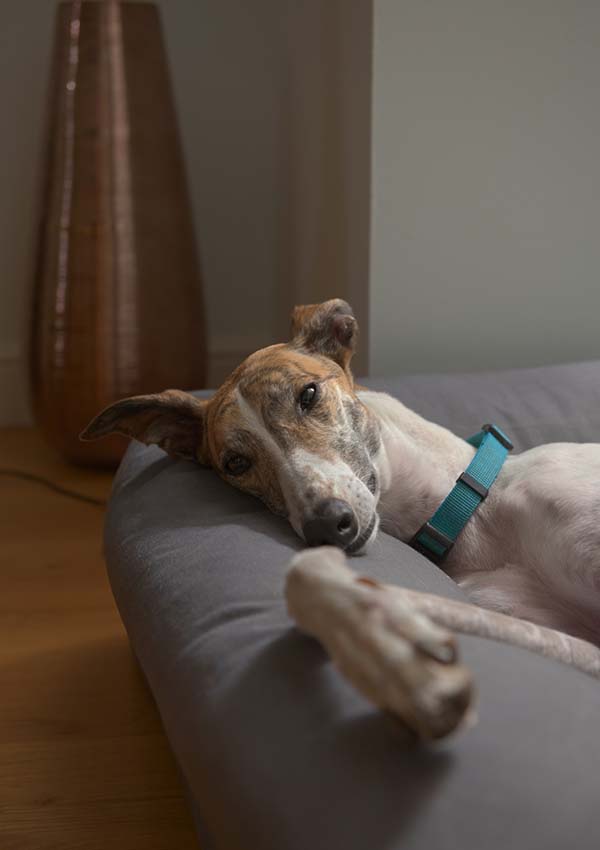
{"type": "Point", "coordinates": [84, 763]}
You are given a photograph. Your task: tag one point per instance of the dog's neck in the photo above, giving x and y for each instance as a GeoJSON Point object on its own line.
{"type": "Point", "coordinates": [418, 464]}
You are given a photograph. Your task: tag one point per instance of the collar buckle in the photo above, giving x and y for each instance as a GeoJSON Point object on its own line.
{"type": "Point", "coordinates": [499, 435]}
{"type": "Point", "coordinates": [475, 485]}
{"type": "Point", "coordinates": [438, 537]}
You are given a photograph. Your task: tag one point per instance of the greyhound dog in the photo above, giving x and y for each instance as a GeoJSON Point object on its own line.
{"type": "Point", "coordinates": [290, 426]}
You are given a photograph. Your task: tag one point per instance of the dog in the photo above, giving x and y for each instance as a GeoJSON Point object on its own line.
{"type": "Point", "coordinates": [291, 427]}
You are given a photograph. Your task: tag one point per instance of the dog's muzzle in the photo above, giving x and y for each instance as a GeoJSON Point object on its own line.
{"type": "Point", "coordinates": [332, 524]}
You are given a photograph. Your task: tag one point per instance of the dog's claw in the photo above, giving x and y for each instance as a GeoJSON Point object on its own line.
{"type": "Point", "coordinates": [444, 650]}
{"type": "Point", "coordinates": [393, 654]}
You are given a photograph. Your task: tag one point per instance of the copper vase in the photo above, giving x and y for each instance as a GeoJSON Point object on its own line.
{"type": "Point", "coordinates": [117, 305]}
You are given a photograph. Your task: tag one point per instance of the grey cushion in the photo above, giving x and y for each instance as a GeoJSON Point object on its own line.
{"type": "Point", "coordinates": [277, 751]}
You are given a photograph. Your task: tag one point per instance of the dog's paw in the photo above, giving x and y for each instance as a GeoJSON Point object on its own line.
{"type": "Point", "coordinates": [394, 655]}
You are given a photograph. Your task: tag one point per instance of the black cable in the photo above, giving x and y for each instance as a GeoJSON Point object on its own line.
{"type": "Point", "coordinates": [63, 491]}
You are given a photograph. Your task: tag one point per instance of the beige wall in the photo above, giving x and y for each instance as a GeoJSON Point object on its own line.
{"type": "Point", "coordinates": [226, 60]}
{"type": "Point", "coordinates": [273, 98]}
{"type": "Point", "coordinates": [274, 102]}
{"type": "Point", "coordinates": [226, 63]}
{"type": "Point", "coordinates": [486, 184]}
{"type": "Point", "coordinates": [25, 36]}
{"type": "Point", "coordinates": [327, 139]}
{"type": "Point", "coordinates": [485, 180]}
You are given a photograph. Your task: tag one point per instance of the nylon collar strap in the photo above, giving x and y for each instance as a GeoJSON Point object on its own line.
{"type": "Point", "coordinates": [438, 535]}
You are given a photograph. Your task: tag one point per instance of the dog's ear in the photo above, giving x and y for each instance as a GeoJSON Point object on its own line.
{"type": "Point", "coordinates": [329, 329]}
{"type": "Point", "coordinates": [173, 420]}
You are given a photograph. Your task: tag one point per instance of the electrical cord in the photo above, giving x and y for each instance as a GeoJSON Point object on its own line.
{"type": "Point", "coordinates": [51, 485]}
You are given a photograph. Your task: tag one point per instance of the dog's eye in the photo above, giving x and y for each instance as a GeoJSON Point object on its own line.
{"type": "Point", "coordinates": [308, 396]}
{"type": "Point", "coordinates": [237, 465]}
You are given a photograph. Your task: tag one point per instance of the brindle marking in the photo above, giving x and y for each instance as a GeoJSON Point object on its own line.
{"type": "Point", "coordinates": [297, 459]}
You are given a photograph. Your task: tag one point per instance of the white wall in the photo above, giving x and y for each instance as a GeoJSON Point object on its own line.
{"type": "Point", "coordinates": [486, 184]}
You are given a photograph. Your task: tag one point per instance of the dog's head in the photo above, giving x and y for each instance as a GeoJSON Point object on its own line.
{"type": "Point", "coordinates": [285, 426]}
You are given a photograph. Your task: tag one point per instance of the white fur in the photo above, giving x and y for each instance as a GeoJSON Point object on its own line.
{"type": "Point", "coordinates": [301, 469]}
{"type": "Point", "coordinates": [335, 480]}
{"type": "Point", "coordinates": [532, 549]}
{"type": "Point", "coordinates": [254, 423]}
{"type": "Point", "coordinates": [396, 646]}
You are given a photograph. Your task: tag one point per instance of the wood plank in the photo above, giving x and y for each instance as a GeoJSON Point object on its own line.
{"type": "Point", "coordinates": [84, 762]}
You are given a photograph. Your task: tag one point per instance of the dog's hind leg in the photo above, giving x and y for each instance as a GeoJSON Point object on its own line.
{"type": "Point", "coordinates": [391, 652]}
{"type": "Point", "coordinates": [471, 620]}
{"type": "Point", "coordinates": [396, 645]}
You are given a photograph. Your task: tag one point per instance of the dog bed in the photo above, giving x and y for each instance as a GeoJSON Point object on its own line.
{"type": "Point", "coordinates": [277, 752]}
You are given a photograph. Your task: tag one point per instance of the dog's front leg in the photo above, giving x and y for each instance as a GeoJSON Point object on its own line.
{"type": "Point", "coordinates": [392, 653]}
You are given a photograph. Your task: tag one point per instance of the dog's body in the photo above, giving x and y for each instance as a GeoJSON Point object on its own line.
{"type": "Point", "coordinates": [532, 549]}
{"type": "Point", "coordinates": [290, 427]}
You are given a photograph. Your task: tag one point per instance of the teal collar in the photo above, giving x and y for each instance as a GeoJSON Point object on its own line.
{"type": "Point", "coordinates": [438, 535]}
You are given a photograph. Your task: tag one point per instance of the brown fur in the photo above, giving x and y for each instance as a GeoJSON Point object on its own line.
{"type": "Point", "coordinates": [270, 381]}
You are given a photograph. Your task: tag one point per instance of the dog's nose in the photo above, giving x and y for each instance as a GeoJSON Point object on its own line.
{"type": "Point", "coordinates": [333, 524]}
